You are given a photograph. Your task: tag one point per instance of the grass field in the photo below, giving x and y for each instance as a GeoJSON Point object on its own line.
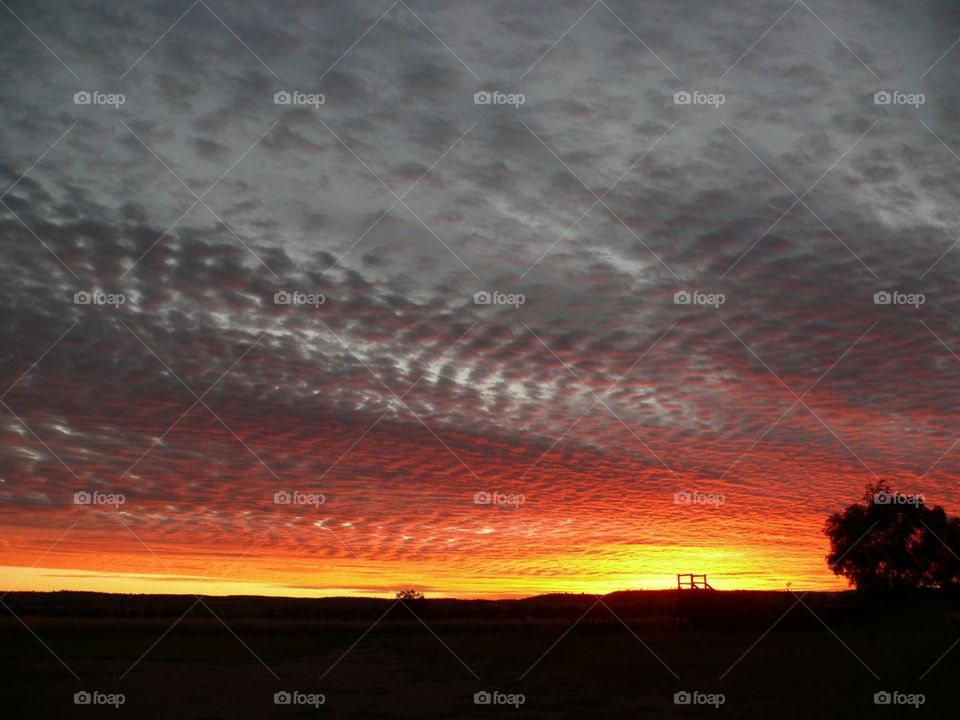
{"type": "Point", "coordinates": [201, 669]}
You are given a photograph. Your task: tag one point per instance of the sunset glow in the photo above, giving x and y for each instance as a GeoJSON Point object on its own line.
{"type": "Point", "coordinates": [401, 509]}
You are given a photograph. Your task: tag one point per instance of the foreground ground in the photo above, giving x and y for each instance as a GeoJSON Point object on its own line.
{"type": "Point", "coordinates": [400, 669]}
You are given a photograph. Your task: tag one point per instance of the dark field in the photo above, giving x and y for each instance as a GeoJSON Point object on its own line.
{"type": "Point", "coordinates": [203, 668]}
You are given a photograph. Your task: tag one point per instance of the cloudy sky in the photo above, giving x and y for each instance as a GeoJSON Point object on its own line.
{"type": "Point", "coordinates": [778, 201]}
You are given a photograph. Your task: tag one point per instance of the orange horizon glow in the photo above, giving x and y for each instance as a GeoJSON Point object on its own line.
{"type": "Point", "coordinates": [14, 579]}
{"type": "Point", "coordinates": [400, 506]}
{"type": "Point", "coordinates": [128, 567]}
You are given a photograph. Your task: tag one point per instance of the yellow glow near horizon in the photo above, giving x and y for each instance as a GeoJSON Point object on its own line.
{"type": "Point", "coordinates": [56, 579]}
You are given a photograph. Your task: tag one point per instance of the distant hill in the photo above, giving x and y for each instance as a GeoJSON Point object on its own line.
{"type": "Point", "coordinates": [560, 606]}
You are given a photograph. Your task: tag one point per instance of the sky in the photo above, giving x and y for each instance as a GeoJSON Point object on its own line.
{"type": "Point", "coordinates": [687, 361]}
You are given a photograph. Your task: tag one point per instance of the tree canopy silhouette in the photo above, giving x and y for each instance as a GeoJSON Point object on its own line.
{"type": "Point", "coordinates": [410, 604]}
{"type": "Point", "coordinates": [894, 542]}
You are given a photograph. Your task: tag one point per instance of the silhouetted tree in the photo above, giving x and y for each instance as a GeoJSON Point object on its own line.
{"type": "Point", "coordinates": [412, 599]}
{"type": "Point", "coordinates": [893, 542]}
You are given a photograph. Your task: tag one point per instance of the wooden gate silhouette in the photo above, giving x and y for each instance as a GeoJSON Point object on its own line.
{"type": "Point", "coordinates": [692, 582]}
{"type": "Point", "coordinates": [689, 605]}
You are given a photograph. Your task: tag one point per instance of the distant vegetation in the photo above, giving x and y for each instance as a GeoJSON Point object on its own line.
{"type": "Point", "coordinates": [410, 605]}
{"type": "Point", "coordinates": [894, 542]}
